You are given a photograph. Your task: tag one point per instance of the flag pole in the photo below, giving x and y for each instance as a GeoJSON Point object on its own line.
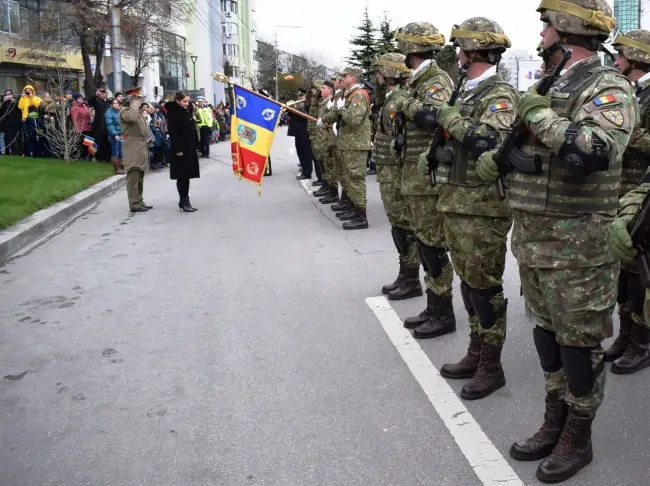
{"type": "Point", "coordinates": [222, 78]}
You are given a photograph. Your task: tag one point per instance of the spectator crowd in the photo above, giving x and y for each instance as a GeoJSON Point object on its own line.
{"type": "Point", "coordinates": [25, 121]}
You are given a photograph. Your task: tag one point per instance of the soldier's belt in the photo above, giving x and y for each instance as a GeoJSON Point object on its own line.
{"type": "Point", "coordinates": [523, 162]}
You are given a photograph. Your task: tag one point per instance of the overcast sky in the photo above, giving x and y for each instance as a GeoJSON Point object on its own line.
{"type": "Point", "coordinates": [328, 26]}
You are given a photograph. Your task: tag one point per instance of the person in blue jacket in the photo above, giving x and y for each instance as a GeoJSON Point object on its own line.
{"type": "Point", "coordinates": [112, 119]}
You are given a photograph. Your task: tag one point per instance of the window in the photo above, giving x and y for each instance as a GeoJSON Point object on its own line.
{"type": "Point", "coordinates": [233, 6]}
{"type": "Point", "coordinates": [628, 14]}
{"type": "Point", "coordinates": [224, 5]}
{"type": "Point", "coordinates": [50, 27]}
{"type": "Point", "coordinates": [225, 52]}
{"type": "Point", "coordinates": [235, 71]}
{"type": "Point", "coordinates": [9, 17]}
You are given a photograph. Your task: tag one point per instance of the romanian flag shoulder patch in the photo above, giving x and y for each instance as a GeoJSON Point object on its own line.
{"type": "Point", "coordinates": [498, 106]}
{"type": "Point", "coordinates": [604, 100]}
{"type": "Point", "coordinates": [392, 115]}
{"type": "Point", "coordinates": [432, 90]}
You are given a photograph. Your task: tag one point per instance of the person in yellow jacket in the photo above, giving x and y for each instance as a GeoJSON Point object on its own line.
{"type": "Point", "coordinates": [205, 124]}
{"type": "Point", "coordinates": [28, 99]}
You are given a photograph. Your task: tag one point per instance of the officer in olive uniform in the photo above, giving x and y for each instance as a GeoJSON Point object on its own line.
{"type": "Point", "coordinates": [352, 116]}
{"type": "Point", "coordinates": [561, 210]}
{"type": "Point", "coordinates": [312, 104]}
{"type": "Point", "coordinates": [391, 74]}
{"type": "Point", "coordinates": [630, 351]}
{"type": "Point", "coordinates": [429, 87]}
{"type": "Point", "coordinates": [476, 221]}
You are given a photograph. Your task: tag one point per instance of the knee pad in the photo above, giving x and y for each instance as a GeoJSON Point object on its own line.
{"type": "Point", "coordinates": [465, 291]}
{"type": "Point", "coordinates": [578, 370]}
{"type": "Point", "coordinates": [400, 238]}
{"type": "Point", "coordinates": [622, 293]}
{"type": "Point", "coordinates": [482, 305]}
{"type": "Point", "coordinates": [434, 260]}
{"type": "Point", "coordinates": [548, 349]}
{"type": "Point", "coordinates": [635, 292]}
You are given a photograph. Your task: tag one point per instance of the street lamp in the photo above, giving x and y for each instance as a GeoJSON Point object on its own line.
{"type": "Point", "coordinates": [277, 97]}
{"type": "Point", "coordinates": [194, 58]}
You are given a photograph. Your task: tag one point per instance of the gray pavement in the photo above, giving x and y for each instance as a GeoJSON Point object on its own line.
{"type": "Point", "coordinates": [234, 346]}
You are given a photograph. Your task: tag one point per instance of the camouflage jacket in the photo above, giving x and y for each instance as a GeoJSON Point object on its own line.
{"type": "Point", "coordinates": [637, 155]}
{"type": "Point", "coordinates": [325, 138]}
{"type": "Point", "coordinates": [428, 89]}
{"type": "Point", "coordinates": [311, 125]}
{"type": "Point", "coordinates": [560, 219]}
{"type": "Point", "coordinates": [388, 165]}
{"type": "Point", "coordinates": [488, 108]}
{"type": "Point", "coordinates": [352, 121]}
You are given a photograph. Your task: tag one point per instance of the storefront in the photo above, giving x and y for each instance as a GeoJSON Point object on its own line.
{"type": "Point", "coordinates": [45, 70]}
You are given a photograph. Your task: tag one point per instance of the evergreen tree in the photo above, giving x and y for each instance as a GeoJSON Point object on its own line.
{"type": "Point", "coordinates": [386, 42]}
{"type": "Point", "coordinates": [364, 46]}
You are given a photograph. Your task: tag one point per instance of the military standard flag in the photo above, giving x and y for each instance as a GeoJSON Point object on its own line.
{"type": "Point", "coordinates": [256, 119]}
{"type": "Point", "coordinates": [234, 144]}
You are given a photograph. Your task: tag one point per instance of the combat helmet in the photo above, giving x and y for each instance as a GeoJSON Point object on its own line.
{"type": "Point", "coordinates": [480, 34]}
{"type": "Point", "coordinates": [392, 65]}
{"type": "Point", "coordinates": [633, 45]}
{"type": "Point", "coordinates": [590, 18]}
{"type": "Point", "coordinates": [417, 37]}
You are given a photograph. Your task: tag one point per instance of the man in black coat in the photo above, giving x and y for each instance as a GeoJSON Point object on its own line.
{"type": "Point", "coordinates": [10, 123]}
{"type": "Point", "coordinates": [100, 103]}
{"type": "Point", "coordinates": [298, 130]}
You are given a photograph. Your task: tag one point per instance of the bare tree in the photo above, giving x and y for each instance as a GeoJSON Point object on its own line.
{"type": "Point", "coordinates": [505, 72]}
{"type": "Point", "coordinates": [310, 66]}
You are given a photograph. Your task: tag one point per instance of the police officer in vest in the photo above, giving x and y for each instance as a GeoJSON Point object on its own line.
{"type": "Point", "coordinates": [476, 221]}
{"type": "Point", "coordinates": [630, 351]}
{"type": "Point", "coordinates": [561, 209]}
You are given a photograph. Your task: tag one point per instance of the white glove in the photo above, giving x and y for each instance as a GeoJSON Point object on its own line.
{"type": "Point", "coordinates": [330, 104]}
{"type": "Point", "coordinates": [340, 103]}
{"type": "Point", "coordinates": [320, 124]}
{"type": "Point", "coordinates": [335, 130]}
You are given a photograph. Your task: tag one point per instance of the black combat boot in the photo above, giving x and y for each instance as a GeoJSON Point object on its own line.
{"type": "Point", "coordinates": [348, 214]}
{"type": "Point", "coordinates": [442, 320]}
{"type": "Point", "coordinates": [324, 189]}
{"type": "Point", "coordinates": [410, 285]}
{"type": "Point", "coordinates": [344, 204]}
{"type": "Point", "coordinates": [544, 441]}
{"type": "Point", "coordinates": [572, 452]}
{"type": "Point", "coordinates": [331, 197]}
{"type": "Point", "coordinates": [617, 348]}
{"type": "Point", "coordinates": [388, 288]}
{"type": "Point", "coordinates": [422, 317]}
{"type": "Point", "coordinates": [359, 221]}
{"type": "Point", "coordinates": [467, 366]}
{"type": "Point", "coordinates": [637, 354]}
{"type": "Point", "coordinates": [489, 375]}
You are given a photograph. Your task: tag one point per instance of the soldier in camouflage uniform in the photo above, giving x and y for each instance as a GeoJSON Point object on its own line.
{"type": "Point", "coordinates": [561, 210]}
{"type": "Point", "coordinates": [354, 129]}
{"type": "Point", "coordinates": [391, 74]}
{"type": "Point", "coordinates": [325, 144]}
{"type": "Point", "coordinates": [313, 107]}
{"type": "Point", "coordinates": [429, 87]}
{"type": "Point", "coordinates": [344, 203]}
{"type": "Point", "coordinates": [630, 351]}
{"type": "Point", "coordinates": [476, 221]}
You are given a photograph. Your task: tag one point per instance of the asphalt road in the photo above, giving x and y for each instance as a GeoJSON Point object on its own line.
{"type": "Point", "coordinates": [235, 346]}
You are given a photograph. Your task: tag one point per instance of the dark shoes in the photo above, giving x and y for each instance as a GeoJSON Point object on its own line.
{"type": "Point", "coordinates": [185, 205]}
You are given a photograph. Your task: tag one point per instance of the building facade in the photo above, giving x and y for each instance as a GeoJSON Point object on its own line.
{"type": "Point", "coordinates": [238, 27]}
{"type": "Point", "coordinates": [627, 14]}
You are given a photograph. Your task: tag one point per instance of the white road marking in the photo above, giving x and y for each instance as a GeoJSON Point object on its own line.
{"type": "Point", "coordinates": [488, 464]}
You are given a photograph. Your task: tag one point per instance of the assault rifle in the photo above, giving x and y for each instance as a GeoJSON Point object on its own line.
{"type": "Point", "coordinates": [509, 155]}
{"type": "Point", "coordinates": [439, 136]}
{"type": "Point", "coordinates": [640, 234]}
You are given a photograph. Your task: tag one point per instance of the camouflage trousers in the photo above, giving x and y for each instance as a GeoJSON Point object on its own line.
{"type": "Point", "coordinates": [397, 213]}
{"type": "Point", "coordinates": [428, 226]}
{"type": "Point", "coordinates": [576, 305]}
{"type": "Point", "coordinates": [354, 175]}
{"type": "Point", "coordinates": [326, 155]}
{"type": "Point", "coordinates": [631, 296]}
{"type": "Point", "coordinates": [338, 167]}
{"type": "Point", "coordinates": [477, 245]}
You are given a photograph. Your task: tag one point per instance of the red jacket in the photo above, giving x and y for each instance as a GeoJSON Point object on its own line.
{"type": "Point", "coordinates": [80, 118]}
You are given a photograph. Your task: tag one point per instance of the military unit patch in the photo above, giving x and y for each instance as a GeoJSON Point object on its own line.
{"type": "Point", "coordinates": [498, 106]}
{"type": "Point", "coordinates": [604, 100]}
{"type": "Point", "coordinates": [614, 116]}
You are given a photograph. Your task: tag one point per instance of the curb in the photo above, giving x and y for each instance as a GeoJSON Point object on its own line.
{"type": "Point", "coordinates": [42, 222]}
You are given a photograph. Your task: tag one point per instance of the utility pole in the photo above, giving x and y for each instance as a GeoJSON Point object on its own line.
{"type": "Point", "coordinates": [277, 98]}
{"type": "Point", "coordinates": [116, 49]}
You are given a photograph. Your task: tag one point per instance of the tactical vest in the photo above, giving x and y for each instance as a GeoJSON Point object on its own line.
{"type": "Point", "coordinates": [462, 171]}
{"type": "Point", "coordinates": [635, 161]}
{"type": "Point", "coordinates": [555, 190]}
{"type": "Point", "coordinates": [383, 154]}
{"type": "Point", "coordinates": [311, 125]}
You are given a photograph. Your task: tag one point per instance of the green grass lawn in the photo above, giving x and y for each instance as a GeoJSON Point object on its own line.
{"type": "Point", "coordinates": [28, 184]}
